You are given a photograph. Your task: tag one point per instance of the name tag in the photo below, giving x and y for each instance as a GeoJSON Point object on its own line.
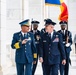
{"type": "Point", "coordinates": [36, 42]}
{"type": "Point", "coordinates": [29, 39]}
{"type": "Point", "coordinates": [44, 40]}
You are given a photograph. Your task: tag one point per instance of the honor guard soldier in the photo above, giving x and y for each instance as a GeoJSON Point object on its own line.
{"type": "Point", "coordinates": [51, 47]}
{"type": "Point", "coordinates": [26, 52]}
{"type": "Point", "coordinates": [36, 33]}
{"type": "Point", "coordinates": [67, 41]}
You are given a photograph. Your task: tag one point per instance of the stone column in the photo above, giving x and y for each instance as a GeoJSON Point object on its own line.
{"type": "Point", "coordinates": [2, 35]}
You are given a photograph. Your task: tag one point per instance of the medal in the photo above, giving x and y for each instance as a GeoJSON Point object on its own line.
{"type": "Point", "coordinates": [37, 37]}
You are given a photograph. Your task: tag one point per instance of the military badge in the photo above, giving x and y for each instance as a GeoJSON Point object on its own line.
{"type": "Point", "coordinates": [37, 37]}
{"type": "Point", "coordinates": [57, 36]}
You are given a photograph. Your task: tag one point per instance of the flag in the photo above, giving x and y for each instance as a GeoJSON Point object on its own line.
{"type": "Point", "coordinates": [64, 12]}
{"type": "Point", "coordinates": [54, 2]}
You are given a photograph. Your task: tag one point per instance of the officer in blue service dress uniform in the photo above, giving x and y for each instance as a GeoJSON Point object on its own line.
{"type": "Point", "coordinates": [26, 52]}
{"type": "Point", "coordinates": [51, 46]}
{"type": "Point", "coordinates": [67, 41]}
{"type": "Point", "coordinates": [36, 33]}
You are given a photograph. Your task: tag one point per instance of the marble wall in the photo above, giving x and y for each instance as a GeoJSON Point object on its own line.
{"type": "Point", "coordinates": [2, 34]}
{"type": "Point", "coordinates": [72, 16]}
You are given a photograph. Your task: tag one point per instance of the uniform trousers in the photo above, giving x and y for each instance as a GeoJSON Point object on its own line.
{"type": "Point", "coordinates": [34, 67]}
{"type": "Point", "coordinates": [24, 69]}
{"type": "Point", "coordinates": [64, 69]}
{"type": "Point", "coordinates": [50, 69]}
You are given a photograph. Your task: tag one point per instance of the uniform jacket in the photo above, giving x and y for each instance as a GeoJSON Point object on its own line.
{"type": "Point", "coordinates": [50, 49]}
{"type": "Point", "coordinates": [37, 39]}
{"type": "Point", "coordinates": [26, 52]}
{"type": "Point", "coordinates": [67, 49]}
{"type": "Point", "coordinates": [37, 33]}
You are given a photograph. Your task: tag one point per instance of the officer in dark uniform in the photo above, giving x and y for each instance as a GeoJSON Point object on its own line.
{"type": "Point", "coordinates": [36, 33]}
{"type": "Point", "coordinates": [51, 46]}
{"type": "Point", "coordinates": [67, 41]}
{"type": "Point", "coordinates": [26, 53]}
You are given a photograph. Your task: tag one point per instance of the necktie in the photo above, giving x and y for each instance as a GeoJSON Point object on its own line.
{"type": "Point", "coordinates": [50, 39]}
{"type": "Point", "coordinates": [50, 35]}
{"type": "Point", "coordinates": [25, 35]}
{"type": "Point", "coordinates": [63, 32]}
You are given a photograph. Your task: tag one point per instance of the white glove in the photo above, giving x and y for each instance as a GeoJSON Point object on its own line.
{"type": "Point", "coordinates": [67, 45]}
{"type": "Point", "coordinates": [41, 59]}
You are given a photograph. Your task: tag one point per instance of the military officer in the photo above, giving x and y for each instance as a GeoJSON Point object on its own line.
{"type": "Point", "coordinates": [24, 44]}
{"type": "Point", "coordinates": [67, 41]}
{"type": "Point", "coordinates": [36, 33]}
{"type": "Point", "coordinates": [50, 48]}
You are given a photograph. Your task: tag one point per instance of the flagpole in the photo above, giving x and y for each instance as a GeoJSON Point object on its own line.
{"type": "Point", "coordinates": [31, 25]}
{"type": "Point", "coordinates": [48, 12]}
{"type": "Point", "coordinates": [45, 11]}
{"type": "Point", "coordinates": [67, 33]}
{"type": "Point", "coordinates": [67, 24]}
{"type": "Point", "coordinates": [68, 13]}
